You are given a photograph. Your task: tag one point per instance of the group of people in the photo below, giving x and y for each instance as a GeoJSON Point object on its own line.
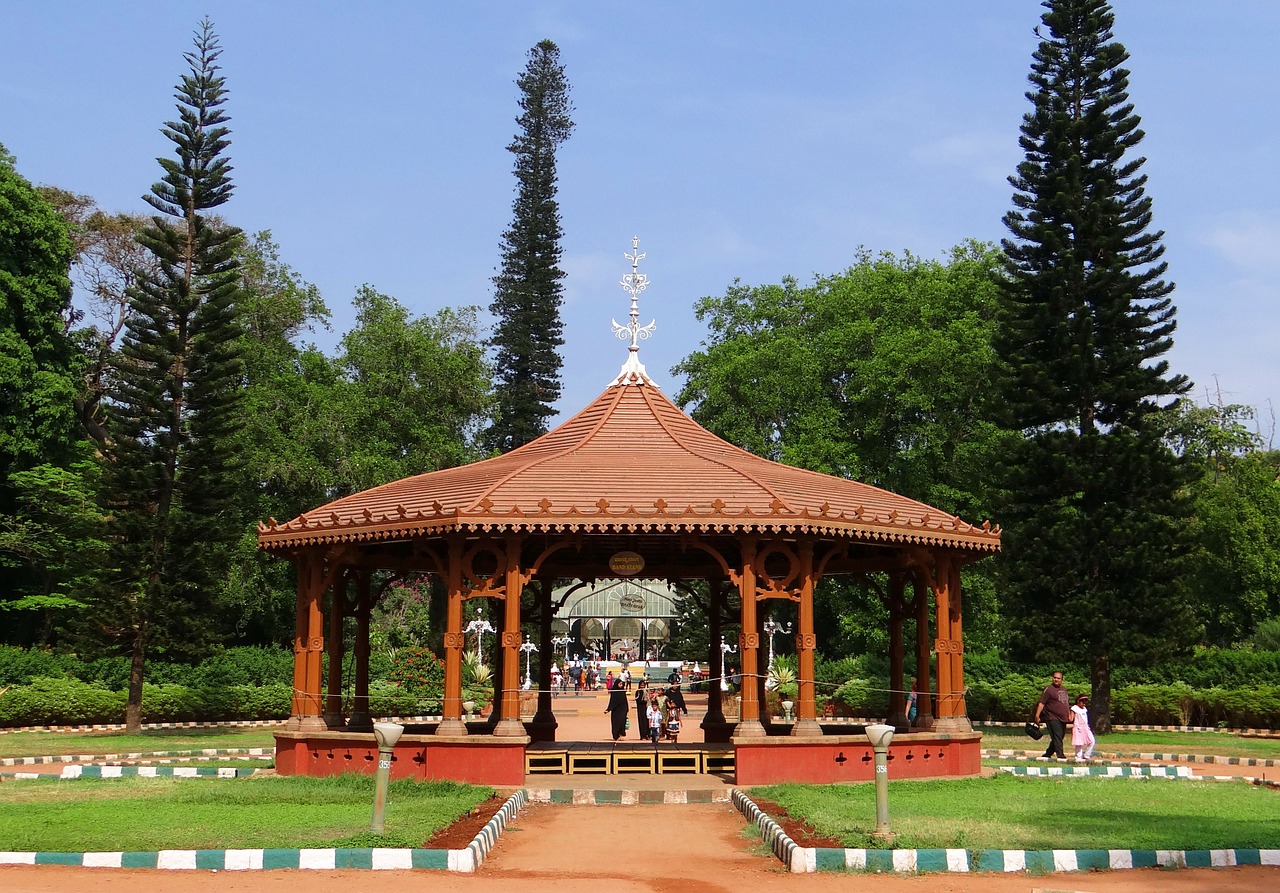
{"type": "Point", "coordinates": [1058, 711]}
{"type": "Point", "coordinates": [658, 710]}
{"type": "Point", "coordinates": [585, 676]}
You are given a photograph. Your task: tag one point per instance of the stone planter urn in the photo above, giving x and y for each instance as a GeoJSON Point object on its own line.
{"type": "Point", "coordinates": [786, 709]}
{"type": "Point", "coordinates": [470, 707]}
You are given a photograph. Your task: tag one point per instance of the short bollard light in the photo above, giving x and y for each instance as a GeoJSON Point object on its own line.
{"type": "Point", "coordinates": [387, 734]}
{"type": "Point", "coordinates": [880, 735]}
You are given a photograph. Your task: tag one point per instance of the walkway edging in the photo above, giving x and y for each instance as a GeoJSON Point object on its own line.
{"type": "Point", "coordinates": [467, 860]}
{"type": "Point", "coordinates": [800, 859]}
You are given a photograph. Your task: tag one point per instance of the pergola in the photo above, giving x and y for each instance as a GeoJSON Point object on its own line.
{"type": "Point", "coordinates": [630, 485]}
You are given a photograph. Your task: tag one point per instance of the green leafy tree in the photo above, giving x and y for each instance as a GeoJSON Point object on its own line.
{"type": "Point", "coordinates": [527, 289]}
{"type": "Point", "coordinates": [174, 473]}
{"type": "Point", "coordinates": [55, 541]}
{"type": "Point", "coordinates": [38, 383]}
{"type": "Point", "coordinates": [876, 374]}
{"type": "Point", "coordinates": [282, 433]}
{"type": "Point", "coordinates": [1095, 511]}
{"type": "Point", "coordinates": [109, 261]}
{"type": "Point", "coordinates": [413, 392]}
{"type": "Point", "coordinates": [37, 358]}
{"type": "Point", "coordinates": [1233, 577]}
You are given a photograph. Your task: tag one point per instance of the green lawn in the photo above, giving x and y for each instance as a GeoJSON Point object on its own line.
{"type": "Point", "coordinates": [1008, 812]}
{"type": "Point", "coordinates": [162, 813]}
{"type": "Point", "coordinates": [41, 744]}
{"type": "Point", "coordinates": [1218, 744]}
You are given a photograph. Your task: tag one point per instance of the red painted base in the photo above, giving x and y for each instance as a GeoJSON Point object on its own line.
{"type": "Point", "coordinates": [477, 759]}
{"type": "Point", "coordinates": [836, 758]}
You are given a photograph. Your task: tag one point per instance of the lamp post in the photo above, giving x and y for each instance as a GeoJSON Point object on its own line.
{"type": "Point", "coordinates": [725, 648]}
{"type": "Point", "coordinates": [558, 641]}
{"type": "Point", "coordinates": [479, 626]}
{"type": "Point", "coordinates": [528, 648]}
{"type": "Point", "coordinates": [880, 735]}
{"type": "Point", "coordinates": [386, 734]}
{"type": "Point", "coordinates": [771, 626]}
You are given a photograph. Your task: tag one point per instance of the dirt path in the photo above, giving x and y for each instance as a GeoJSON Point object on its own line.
{"type": "Point", "coordinates": [628, 849]}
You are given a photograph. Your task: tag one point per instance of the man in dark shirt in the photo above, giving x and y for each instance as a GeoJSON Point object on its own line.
{"type": "Point", "coordinates": [1055, 704]}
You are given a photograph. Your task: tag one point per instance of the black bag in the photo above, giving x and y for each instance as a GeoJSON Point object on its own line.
{"type": "Point", "coordinates": [1034, 732]}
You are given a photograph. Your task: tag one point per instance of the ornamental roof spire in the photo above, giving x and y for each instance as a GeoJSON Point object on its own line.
{"type": "Point", "coordinates": [634, 283]}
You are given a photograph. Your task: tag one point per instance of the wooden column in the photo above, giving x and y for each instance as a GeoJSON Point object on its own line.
{"type": "Point", "coordinates": [897, 612]}
{"type": "Point", "coordinates": [543, 727]}
{"type": "Point", "coordinates": [806, 724]}
{"type": "Point", "coordinates": [510, 725]}
{"type": "Point", "coordinates": [308, 646]}
{"type": "Point", "coordinates": [337, 613]}
{"type": "Point", "coordinates": [451, 722]}
{"type": "Point", "coordinates": [360, 720]}
{"type": "Point", "coordinates": [950, 716]}
{"type": "Point", "coordinates": [924, 697]}
{"type": "Point", "coordinates": [749, 646]}
{"type": "Point", "coordinates": [961, 714]}
{"type": "Point", "coordinates": [714, 727]}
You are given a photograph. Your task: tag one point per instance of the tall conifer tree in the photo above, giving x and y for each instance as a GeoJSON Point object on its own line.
{"type": "Point", "coordinates": [1094, 516]}
{"type": "Point", "coordinates": [527, 289]}
{"type": "Point", "coordinates": [173, 468]}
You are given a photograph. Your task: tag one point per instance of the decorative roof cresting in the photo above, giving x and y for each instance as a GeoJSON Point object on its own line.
{"type": "Point", "coordinates": [633, 283]}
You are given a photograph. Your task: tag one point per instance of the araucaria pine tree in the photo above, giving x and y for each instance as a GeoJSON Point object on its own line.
{"type": "Point", "coordinates": [1094, 511]}
{"type": "Point", "coordinates": [527, 290]}
{"type": "Point", "coordinates": [172, 468]}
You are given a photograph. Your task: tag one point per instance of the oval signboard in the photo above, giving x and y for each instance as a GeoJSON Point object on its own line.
{"type": "Point", "coordinates": [626, 564]}
{"type": "Point", "coordinates": [631, 602]}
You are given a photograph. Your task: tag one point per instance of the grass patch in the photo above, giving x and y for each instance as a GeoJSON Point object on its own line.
{"type": "Point", "coordinates": [1011, 812]}
{"type": "Point", "coordinates": [42, 744]}
{"type": "Point", "coordinates": [89, 815]}
{"type": "Point", "coordinates": [1215, 743]}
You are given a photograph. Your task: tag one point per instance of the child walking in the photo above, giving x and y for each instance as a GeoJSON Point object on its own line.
{"type": "Point", "coordinates": [1081, 735]}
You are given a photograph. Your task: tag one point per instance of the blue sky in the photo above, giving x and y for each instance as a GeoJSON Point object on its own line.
{"type": "Point", "coordinates": [737, 139]}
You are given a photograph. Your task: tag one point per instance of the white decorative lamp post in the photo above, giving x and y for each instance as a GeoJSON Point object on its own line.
{"type": "Point", "coordinates": [880, 735]}
{"type": "Point", "coordinates": [528, 648]}
{"type": "Point", "coordinates": [386, 734]}
{"type": "Point", "coordinates": [725, 648]}
{"type": "Point", "coordinates": [771, 626]}
{"type": "Point", "coordinates": [562, 641]}
{"type": "Point", "coordinates": [479, 626]}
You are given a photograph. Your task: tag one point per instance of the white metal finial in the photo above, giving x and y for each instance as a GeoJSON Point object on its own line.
{"type": "Point", "coordinates": [633, 283]}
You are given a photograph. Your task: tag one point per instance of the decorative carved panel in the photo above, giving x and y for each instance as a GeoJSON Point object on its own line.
{"type": "Point", "coordinates": [808, 641]}
{"type": "Point", "coordinates": [511, 639]}
{"type": "Point", "coordinates": [749, 640]}
{"type": "Point", "coordinates": [948, 646]}
{"type": "Point", "coordinates": [455, 640]}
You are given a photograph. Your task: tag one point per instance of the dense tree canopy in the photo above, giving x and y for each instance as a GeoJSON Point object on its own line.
{"type": "Point", "coordinates": [1095, 509]}
{"type": "Point", "coordinates": [878, 374]}
{"type": "Point", "coordinates": [527, 290]}
{"type": "Point", "coordinates": [37, 359]}
{"type": "Point", "coordinates": [174, 471]}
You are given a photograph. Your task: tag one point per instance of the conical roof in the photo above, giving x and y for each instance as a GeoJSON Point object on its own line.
{"type": "Point", "coordinates": [631, 462]}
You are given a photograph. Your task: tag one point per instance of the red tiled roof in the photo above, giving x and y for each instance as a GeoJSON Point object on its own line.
{"type": "Point", "coordinates": [630, 462]}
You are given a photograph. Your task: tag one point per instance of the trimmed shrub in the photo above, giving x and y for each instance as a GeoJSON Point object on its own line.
{"type": "Point", "coordinates": [863, 697]}
{"type": "Point", "coordinates": [18, 666]}
{"type": "Point", "coordinates": [46, 702]}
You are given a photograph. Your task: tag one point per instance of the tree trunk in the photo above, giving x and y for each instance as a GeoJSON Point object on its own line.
{"type": "Point", "coordinates": [1100, 699]}
{"type": "Point", "coordinates": [133, 707]}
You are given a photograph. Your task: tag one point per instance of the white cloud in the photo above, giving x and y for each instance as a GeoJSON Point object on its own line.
{"type": "Point", "coordinates": [1249, 240]}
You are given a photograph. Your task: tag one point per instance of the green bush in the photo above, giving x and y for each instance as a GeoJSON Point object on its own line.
{"type": "Point", "coordinates": [18, 666]}
{"type": "Point", "coordinates": [47, 702]}
{"type": "Point", "coordinates": [386, 699]}
{"type": "Point", "coordinates": [863, 697]}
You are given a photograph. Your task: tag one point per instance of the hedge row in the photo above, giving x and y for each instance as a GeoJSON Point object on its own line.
{"type": "Point", "coordinates": [1013, 698]}
{"type": "Point", "coordinates": [229, 666]}
{"type": "Point", "coordinates": [54, 702]}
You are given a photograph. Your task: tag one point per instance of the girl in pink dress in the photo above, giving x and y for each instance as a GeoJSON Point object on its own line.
{"type": "Point", "coordinates": [1081, 735]}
